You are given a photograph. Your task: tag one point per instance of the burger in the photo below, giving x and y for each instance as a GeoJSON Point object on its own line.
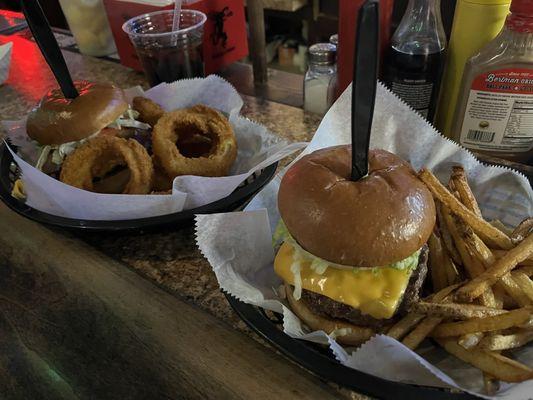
{"type": "Point", "coordinates": [58, 125]}
{"type": "Point", "coordinates": [353, 254]}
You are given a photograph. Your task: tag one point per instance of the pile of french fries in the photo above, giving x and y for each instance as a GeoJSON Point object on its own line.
{"type": "Point", "coordinates": [482, 305]}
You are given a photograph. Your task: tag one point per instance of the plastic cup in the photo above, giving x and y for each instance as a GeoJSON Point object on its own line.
{"type": "Point", "coordinates": [88, 23]}
{"type": "Point", "coordinates": [168, 55]}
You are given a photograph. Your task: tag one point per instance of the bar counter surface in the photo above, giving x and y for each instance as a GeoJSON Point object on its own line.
{"type": "Point", "coordinates": [126, 317]}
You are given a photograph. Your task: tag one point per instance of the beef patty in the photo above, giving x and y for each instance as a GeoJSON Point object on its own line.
{"type": "Point", "coordinates": [327, 307]}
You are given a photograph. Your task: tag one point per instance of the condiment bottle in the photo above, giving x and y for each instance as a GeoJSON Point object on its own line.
{"type": "Point", "coordinates": [494, 112]}
{"type": "Point", "coordinates": [415, 59]}
{"type": "Point", "coordinates": [475, 23]}
{"type": "Point", "coordinates": [320, 78]}
{"type": "Point", "coordinates": [334, 86]}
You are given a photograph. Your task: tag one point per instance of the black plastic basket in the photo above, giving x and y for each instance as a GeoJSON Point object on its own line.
{"type": "Point", "coordinates": [320, 361]}
{"type": "Point", "coordinates": [237, 199]}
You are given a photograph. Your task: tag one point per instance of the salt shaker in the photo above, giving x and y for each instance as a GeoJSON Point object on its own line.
{"type": "Point", "coordinates": [320, 78]}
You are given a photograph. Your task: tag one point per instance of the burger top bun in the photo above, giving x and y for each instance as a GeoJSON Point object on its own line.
{"type": "Point", "coordinates": [380, 219]}
{"type": "Point", "coordinates": [57, 120]}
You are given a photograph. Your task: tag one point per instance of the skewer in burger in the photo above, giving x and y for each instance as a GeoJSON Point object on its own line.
{"type": "Point", "coordinates": [353, 253]}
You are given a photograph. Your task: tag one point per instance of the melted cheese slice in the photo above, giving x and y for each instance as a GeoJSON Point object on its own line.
{"type": "Point", "coordinates": [376, 292]}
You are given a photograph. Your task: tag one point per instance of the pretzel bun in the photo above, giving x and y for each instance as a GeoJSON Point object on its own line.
{"type": "Point", "coordinates": [378, 220]}
{"type": "Point", "coordinates": [57, 120]}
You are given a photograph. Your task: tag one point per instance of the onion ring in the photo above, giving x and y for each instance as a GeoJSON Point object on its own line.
{"type": "Point", "coordinates": [96, 159]}
{"type": "Point", "coordinates": [194, 141]}
{"type": "Point", "coordinates": [149, 110]}
{"type": "Point", "coordinates": [162, 182]}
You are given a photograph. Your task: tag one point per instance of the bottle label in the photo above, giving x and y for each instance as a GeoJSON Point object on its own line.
{"type": "Point", "coordinates": [415, 92]}
{"type": "Point", "coordinates": [499, 111]}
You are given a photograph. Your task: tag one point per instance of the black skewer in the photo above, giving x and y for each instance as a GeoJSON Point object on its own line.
{"type": "Point", "coordinates": [365, 69]}
{"type": "Point", "coordinates": [40, 28]}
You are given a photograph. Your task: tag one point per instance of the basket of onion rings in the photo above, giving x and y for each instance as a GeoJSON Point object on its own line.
{"type": "Point", "coordinates": [114, 159]}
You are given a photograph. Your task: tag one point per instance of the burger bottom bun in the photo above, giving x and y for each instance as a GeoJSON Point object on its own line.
{"type": "Point", "coordinates": [357, 335]}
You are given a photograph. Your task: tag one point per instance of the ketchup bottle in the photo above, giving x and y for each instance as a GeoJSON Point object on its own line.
{"type": "Point", "coordinates": [415, 58]}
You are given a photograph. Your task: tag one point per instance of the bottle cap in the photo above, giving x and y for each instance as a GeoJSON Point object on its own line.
{"type": "Point", "coordinates": [322, 53]}
{"type": "Point", "coordinates": [522, 8]}
{"type": "Point", "coordinates": [334, 39]}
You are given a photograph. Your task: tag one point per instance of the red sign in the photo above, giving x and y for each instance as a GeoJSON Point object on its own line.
{"type": "Point", "coordinates": [347, 25]}
{"type": "Point", "coordinates": [225, 38]}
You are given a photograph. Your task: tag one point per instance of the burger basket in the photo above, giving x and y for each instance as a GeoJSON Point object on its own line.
{"type": "Point", "coordinates": [320, 361]}
{"type": "Point", "coordinates": [9, 172]}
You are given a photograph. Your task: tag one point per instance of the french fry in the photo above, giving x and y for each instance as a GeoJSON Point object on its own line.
{"type": "Point", "coordinates": [479, 250]}
{"type": "Point", "coordinates": [501, 226]}
{"type": "Point", "coordinates": [417, 335]}
{"type": "Point", "coordinates": [465, 193]}
{"type": "Point", "coordinates": [481, 283]}
{"type": "Point", "coordinates": [491, 384]}
{"type": "Point", "coordinates": [513, 290]}
{"type": "Point", "coordinates": [526, 270]}
{"type": "Point", "coordinates": [502, 298]}
{"type": "Point", "coordinates": [452, 272]}
{"type": "Point", "coordinates": [470, 340]}
{"type": "Point", "coordinates": [447, 236]}
{"type": "Point", "coordinates": [405, 325]}
{"type": "Point", "coordinates": [509, 319]}
{"type": "Point", "coordinates": [524, 282]}
{"type": "Point", "coordinates": [500, 253]}
{"type": "Point", "coordinates": [454, 310]}
{"type": "Point", "coordinates": [439, 278]}
{"type": "Point", "coordinates": [442, 295]}
{"type": "Point", "coordinates": [462, 234]}
{"type": "Point", "coordinates": [496, 342]}
{"type": "Point", "coordinates": [485, 230]}
{"type": "Point", "coordinates": [522, 230]}
{"type": "Point", "coordinates": [496, 365]}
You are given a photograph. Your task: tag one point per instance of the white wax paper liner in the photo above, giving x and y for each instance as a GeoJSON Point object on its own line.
{"type": "Point", "coordinates": [257, 149]}
{"type": "Point", "coordinates": [239, 245]}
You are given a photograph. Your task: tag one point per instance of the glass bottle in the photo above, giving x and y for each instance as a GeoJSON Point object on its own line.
{"type": "Point", "coordinates": [494, 113]}
{"type": "Point", "coordinates": [320, 79]}
{"type": "Point", "coordinates": [415, 58]}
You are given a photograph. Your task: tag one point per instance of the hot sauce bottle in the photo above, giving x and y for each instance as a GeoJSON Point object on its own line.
{"type": "Point", "coordinates": [494, 113]}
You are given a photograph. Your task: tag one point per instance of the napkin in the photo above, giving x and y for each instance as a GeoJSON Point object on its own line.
{"type": "Point", "coordinates": [5, 61]}
{"type": "Point", "coordinates": [230, 241]}
{"type": "Point", "coordinates": [257, 149]}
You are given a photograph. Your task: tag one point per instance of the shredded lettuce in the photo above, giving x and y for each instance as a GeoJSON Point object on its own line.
{"type": "Point", "coordinates": [280, 234]}
{"type": "Point", "coordinates": [295, 269]}
{"type": "Point", "coordinates": [59, 151]}
{"type": "Point", "coordinates": [129, 120]}
{"type": "Point", "coordinates": [335, 333]}
{"type": "Point", "coordinates": [319, 265]}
